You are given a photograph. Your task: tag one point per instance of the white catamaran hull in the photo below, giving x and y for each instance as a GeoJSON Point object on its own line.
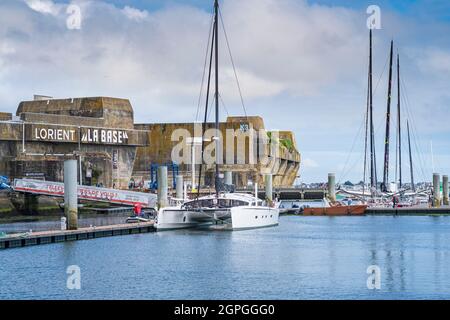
{"type": "Point", "coordinates": [237, 218]}
{"type": "Point", "coordinates": [178, 218]}
{"type": "Point", "coordinates": [253, 217]}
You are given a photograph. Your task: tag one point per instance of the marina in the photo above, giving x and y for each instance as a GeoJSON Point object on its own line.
{"type": "Point", "coordinates": [141, 187]}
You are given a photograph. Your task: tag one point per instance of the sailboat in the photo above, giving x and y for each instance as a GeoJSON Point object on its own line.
{"type": "Point", "coordinates": [395, 191]}
{"type": "Point", "coordinates": [372, 192]}
{"type": "Point", "coordinates": [370, 189]}
{"type": "Point", "coordinates": [232, 211]}
{"type": "Point", "coordinates": [397, 187]}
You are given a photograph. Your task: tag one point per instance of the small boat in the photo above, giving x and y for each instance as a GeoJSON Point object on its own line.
{"type": "Point", "coordinates": [336, 210]}
{"type": "Point", "coordinates": [296, 207]}
{"type": "Point", "coordinates": [144, 217]}
{"type": "Point", "coordinates": [136, 219]}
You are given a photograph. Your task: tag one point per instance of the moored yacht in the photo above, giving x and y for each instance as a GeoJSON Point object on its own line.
{"type": "Point", "coordinates": [234, 211]}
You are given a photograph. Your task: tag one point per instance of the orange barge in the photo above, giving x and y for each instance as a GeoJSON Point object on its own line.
{"type": "Point", "coordinates": [336, 210]}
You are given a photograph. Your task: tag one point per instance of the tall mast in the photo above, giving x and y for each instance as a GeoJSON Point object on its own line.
{"type": "Point", "coordinates": [399, 128]}
{"type": "Point", "coordinates": [410, 159]}
{"type": "Point", "coordinates": [366, 137]}
{"type": "Point", "coordinates": [206, 111]}
{"type": "Point", "coordinates": [216, 31]}
{"type": "Point", "coordinates": [373, 174]}
{"type": "Point", "coordinates": [388, 124]}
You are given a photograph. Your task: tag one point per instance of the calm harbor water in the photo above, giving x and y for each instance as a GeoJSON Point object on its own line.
{"type": "Point", "coordinates": [303, 258]}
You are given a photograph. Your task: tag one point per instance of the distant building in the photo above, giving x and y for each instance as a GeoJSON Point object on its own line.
{"type": "Point", "coordinates": [113, 150]}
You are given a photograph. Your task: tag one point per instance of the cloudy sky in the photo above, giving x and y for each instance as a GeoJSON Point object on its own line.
{"type": "Point", "coordinates": [302, 66]}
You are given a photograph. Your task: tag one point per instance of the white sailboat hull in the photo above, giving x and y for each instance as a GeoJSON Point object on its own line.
{"type": "Point", "coordinates": [253, 217]}
{"type": "Point", "coordinates": [178, 218]}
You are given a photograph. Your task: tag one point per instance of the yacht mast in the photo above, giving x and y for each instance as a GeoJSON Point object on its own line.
{"type": "Point", "coordinates": [206, 110]}
{"type": "Point", "coordinates": [399, 123]}
{"type": "Point", "coordinates": [410, 159]}
{"type": "Point", "coordinates": [366, 137]}
{"type": "Point", "coordinates": [373, 165]}
{"type": "Point", "coordinates": [216, 32]}
{"type": "Point", "coordinates": [388, 125]}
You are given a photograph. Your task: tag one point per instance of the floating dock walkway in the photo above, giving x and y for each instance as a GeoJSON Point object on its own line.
{"type": "Point", "coordinates": [420, 211]}
{"type": "Point", "coordinates": [47, 237]}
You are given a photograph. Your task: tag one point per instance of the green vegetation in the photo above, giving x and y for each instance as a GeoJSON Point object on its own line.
{"type": "Point", "coordinates": [45, 208]}
{"type": "Point", "coordinates": [288, 144]}
{"type": "Point", "coordinates": [284, 142]}
{"type": "Point", "coordinates": [5, 210]}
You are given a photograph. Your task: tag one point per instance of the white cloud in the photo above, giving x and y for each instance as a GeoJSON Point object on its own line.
{"type": "Point", "coordinates": [43, 6]}
{"type": "Point", "coordinates": [292, 44]}
{"type": "Point", "coordinates": [7, 49]}
{"type": "Point", "coordinates": [135, 14]}
{"type": "Point", "coordinates": [298, 49]}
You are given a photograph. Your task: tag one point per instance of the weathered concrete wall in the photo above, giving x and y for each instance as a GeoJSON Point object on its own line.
{"type": "Point", "coordinates": [10, 131]}
{"type": "Point", "coordinates": [116, 113]}
{"type": "Point", "coordinates": [5, 116]}
{"type": "Point", "coordinates": [7, 153]}
{"type": "Point", "coordinates": [160, 150]}
{"type": "Point", "coordinates": [101, 130]}
{"type": "Point", "coordinates": [61, 119]}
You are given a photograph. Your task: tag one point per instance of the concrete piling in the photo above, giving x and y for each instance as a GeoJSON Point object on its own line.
{"type": "Point", "coordinates": [436, 190]}
{"type": "Point", "coordinates": [179, 183]}
{"type": "Point", "coordinates": [445, 190]}
{"type": "Point", "coordinates": [71, 193]}
{"type": "Point", "coordinates": [332, 187]}
{"type": "Point", "coordinates": [269, 191]}
{"type": "Point", "coordinates": [228, 177]}
{"type": "Point", "coordinates": [162, 187]}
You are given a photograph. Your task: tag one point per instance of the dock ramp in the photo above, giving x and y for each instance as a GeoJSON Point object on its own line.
{"type": "Point", "coordinates": [56, 189]}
